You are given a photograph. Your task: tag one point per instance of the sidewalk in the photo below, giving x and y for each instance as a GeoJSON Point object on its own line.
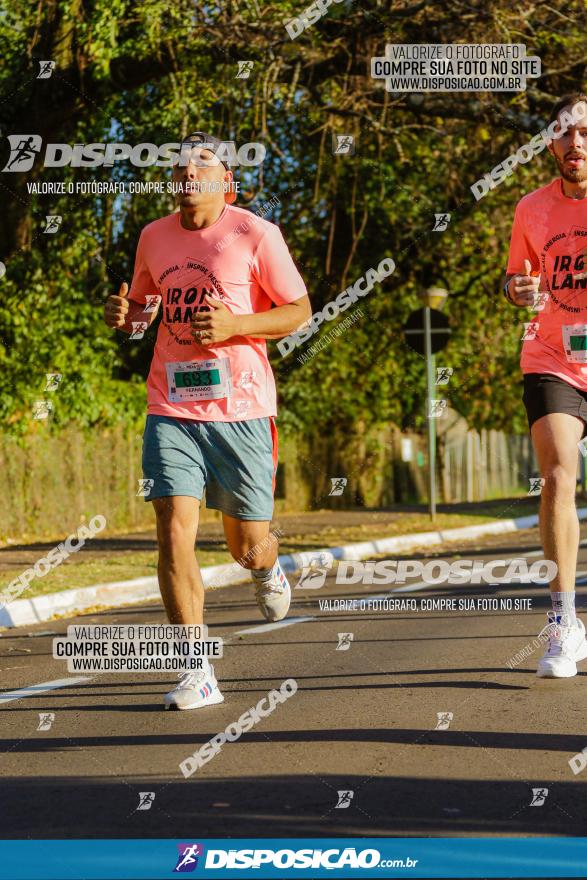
{"type": "Point", "coordinates": [301, 531]}
{"type": "Point", "coordinates": [314, 532]}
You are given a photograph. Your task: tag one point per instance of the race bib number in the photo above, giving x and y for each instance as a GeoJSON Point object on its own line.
{"type": "Point", "coordinates": [575, 343]}
{"type": "Point", "coordinates": [198, 380]}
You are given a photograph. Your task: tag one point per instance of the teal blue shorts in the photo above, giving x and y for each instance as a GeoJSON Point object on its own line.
{"type": "Point", "coordinates": [234, 462]}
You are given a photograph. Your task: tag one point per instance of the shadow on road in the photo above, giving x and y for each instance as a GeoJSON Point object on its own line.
{"type": "Point", "coordinates": [288, 805]}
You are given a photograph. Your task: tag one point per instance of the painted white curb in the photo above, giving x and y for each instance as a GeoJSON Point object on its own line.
{"type": "Point", "coordinates": [24, 612]}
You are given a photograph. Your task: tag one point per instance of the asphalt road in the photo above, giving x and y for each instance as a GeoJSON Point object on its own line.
{"type": "Point", "coordinates": [362, 720]}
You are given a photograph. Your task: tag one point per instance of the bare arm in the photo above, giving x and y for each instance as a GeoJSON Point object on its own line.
{"type": "Point", "coordinates": [219, 324]}
{"type": "Point", "coordinates": [277, 322]}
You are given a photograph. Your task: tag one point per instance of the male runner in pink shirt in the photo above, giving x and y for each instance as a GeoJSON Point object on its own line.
{"type": "Point", "coordinates": [211, 392]}
{"type": "Point", "coordinates": [546, 270]}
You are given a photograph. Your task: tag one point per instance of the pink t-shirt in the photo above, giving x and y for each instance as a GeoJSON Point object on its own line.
{"type": "Point", "coordinates": [242, 260]}
{"type": "Point", "coordinates": [550, 230]}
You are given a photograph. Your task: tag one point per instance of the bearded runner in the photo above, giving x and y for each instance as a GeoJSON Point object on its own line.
{"type": "Point", "coordinates": [547, 272]}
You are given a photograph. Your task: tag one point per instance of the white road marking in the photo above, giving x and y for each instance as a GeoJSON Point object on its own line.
{"type": "Point", "coordinates": [422, 585]}
{"type": "Point", "coordinates": [42, 688]}
{"type": "Point", "coordinates": [268, 627]}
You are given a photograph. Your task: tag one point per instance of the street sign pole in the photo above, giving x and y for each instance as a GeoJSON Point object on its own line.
{"type": "Point", "coordinates": [427, 331]}
{"type": "Point", "coordinates": [431, 421]}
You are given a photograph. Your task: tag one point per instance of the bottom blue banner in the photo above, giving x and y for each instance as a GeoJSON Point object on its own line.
{"type": "Point", "coordinates": [284, 858]}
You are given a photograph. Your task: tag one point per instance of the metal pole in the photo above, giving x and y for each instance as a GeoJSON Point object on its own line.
{"type": "Point", "coordinates": [431, 421]}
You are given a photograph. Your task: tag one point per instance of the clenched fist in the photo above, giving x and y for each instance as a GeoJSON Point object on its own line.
{"type": "Point", "coordinates": [116, 307]}
{"type": "Point", "coordinates": [524, 288]}
{"type": "Point", "coordinates": [215, 325]}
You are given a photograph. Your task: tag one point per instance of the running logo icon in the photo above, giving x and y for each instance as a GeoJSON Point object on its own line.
{"type": "Point", "coordinates": [146, 799]}
{"type": "Point", "coordinates": [540, 300]}
{"type": "Point", "coordinates": [344, 799]}
{"type": "Point", "coordinates": [152, 304]}
{"type": "Point", "coordinates": [145, 487]}
{"type": "Point", "coordinates": [536, 484]}
{"type": "Point", "coordinates": [52, 223]}
{"type": "Point", "coordinates": [314, 574]}
{"type": "Point", "coordinates": [338, 485]}
{"type": "Point", "coordinates": [441, 222]}
{"type": "Point", "coordinates": [436, 408]}
{"type": "Point", "coordinates": [539, 796]}
{"type": "Point", "coordinates": [343, 145]}
{"type": "Point", "coordinates": [444, 719]}
{"type": "Point", "coordinates": [138, 329]}
{"type": "Point", "coordinates": [188, 857]}
{"type": "Point", "coordinates": [46, 719]}
{"type": "Point", "coordinates": [244, 69]}
{"type": "Point", "coordinates": [241, 407]}
{"type": "Point", "coordinates": [344, 641]}
{"type": "Point", "coordinates": [53, 380]}
{"type": "Point", "coordinates": [530, 331]}
{"type": "Point", "coordinates": [443, 375]}
{"type": "Point", "coordinates": [24, 149]}
{"type": "Point", "coordinates": [247, 378]}
{"type": "Point", "coordinates": [46, 69]}
{"type": "Point", "coordinates": [42, 409]}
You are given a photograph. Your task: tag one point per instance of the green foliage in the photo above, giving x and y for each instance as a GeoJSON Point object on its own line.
{"type": "Point", "coordinates": [150, 71]}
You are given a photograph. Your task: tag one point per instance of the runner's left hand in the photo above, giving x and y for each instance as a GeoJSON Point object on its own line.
{"type": "Point", "coordinates": [217, 325]}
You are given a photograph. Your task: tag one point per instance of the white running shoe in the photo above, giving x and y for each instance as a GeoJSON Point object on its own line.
{"type": "Point", "coordinates": [566, 646]}
{"type": "Point", "coordinates": [195, 690]}
{"type": "Point", "coordinates": [274, 594]}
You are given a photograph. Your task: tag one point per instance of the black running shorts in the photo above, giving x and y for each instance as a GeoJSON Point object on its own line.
{"type": "Point", "coordinates": [544, 394]}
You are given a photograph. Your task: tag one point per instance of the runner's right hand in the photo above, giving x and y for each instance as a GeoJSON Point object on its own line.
{"type": "Point", "coordinates": [116, 307]}
{"type": "Point", "coordinates": [523, 288]}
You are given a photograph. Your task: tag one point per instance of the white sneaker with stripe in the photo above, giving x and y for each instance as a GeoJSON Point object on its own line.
{"type": "Point", "coordinates": [273, 594]}
{"type": "Point", "coordinates": [566, 646]}
{"type": "Point", "coordinates": [195, 690]}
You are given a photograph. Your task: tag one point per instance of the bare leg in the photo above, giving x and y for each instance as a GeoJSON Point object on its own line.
{"type": "Point", "coordinates": [555, 438]}
{"type": "Point", "coordinates": [250, 542]}
{"type": "Point", "coordinates": [180, 580]}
